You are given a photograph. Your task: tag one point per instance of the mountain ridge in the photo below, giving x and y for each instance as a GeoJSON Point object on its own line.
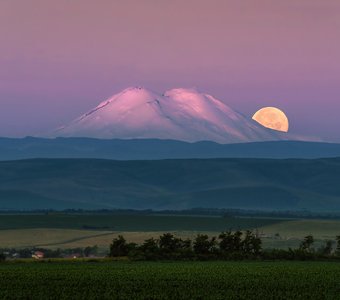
{"type": "Point", "coordinates": [178, 114]}
{"type": "Point", "coordinates": [140, 149]}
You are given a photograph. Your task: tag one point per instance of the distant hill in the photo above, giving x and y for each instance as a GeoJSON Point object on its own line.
{"type": "Point", "coordinates": [292, 184]}
{"type": "Point", "coordinates": [140, 149]}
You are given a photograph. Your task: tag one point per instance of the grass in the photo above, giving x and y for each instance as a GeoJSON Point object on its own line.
{"type": "Point", "coordinates": [178, 280]}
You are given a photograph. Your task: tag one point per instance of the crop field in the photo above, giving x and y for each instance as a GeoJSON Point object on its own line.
{"type": "Point", "coordinates": [170, 280]}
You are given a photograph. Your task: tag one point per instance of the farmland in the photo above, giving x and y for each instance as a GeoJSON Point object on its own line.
{"type": "Point", "coordinates": [130, 222]}
{"type": "Point", "coordinates": [175, 280]}
{"type": "Point", "coordinates": [62, 230]}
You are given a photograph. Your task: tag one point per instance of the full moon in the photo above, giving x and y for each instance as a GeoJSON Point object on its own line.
{"type": "Point", "coordinates": [273, 118]}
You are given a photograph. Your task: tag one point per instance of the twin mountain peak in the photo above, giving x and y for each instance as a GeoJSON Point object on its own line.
{"type": "Point", "coordinates": [178, 114]}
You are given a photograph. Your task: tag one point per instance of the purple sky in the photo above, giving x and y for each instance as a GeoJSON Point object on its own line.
{"type": "Point", "coordinates": [59, 59]}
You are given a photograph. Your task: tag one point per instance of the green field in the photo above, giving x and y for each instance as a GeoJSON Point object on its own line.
{"type": "Point", "coordinates": [179, 280]}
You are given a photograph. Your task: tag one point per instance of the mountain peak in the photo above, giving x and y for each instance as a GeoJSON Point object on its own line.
{"type": "Point", "coordinates": [179, 114]}
{"type": "Point", "coordinates": [130, 92]}
{"type": "Point", "coordinates": [183, 91]}
{"type": "Point", "coordinates": [135, 90]}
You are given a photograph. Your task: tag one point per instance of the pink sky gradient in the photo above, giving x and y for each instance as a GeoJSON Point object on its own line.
{"type": "Point", "coordinates": [59, 59]}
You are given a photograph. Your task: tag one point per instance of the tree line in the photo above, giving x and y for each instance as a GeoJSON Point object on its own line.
{"type": "Point", "coordinates": [228, 245]}
{"type": "Point", "coordinates": [11, 253]}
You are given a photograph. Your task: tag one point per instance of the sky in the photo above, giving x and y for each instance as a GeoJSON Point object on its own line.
{"type": "Point", "coordinates": [59, 59]}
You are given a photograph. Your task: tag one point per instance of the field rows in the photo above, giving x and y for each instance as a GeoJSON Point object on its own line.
{"type": "Point", "coordinates": [180, 280]}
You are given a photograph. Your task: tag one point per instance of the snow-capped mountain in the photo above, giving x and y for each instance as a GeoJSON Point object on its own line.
{"type": "Point", "coordinates": [178, 114]}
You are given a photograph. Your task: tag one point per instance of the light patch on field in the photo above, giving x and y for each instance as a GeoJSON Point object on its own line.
{"type": "Point", "coordinates": [104, 241]}
{"type": "Point", "coordinates": [297, 229]}
{"type": "Point", "coordinates": [20, 238]}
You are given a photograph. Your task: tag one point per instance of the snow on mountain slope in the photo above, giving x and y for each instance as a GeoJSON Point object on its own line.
{"type": "Point", "coordinates": [179, 114]}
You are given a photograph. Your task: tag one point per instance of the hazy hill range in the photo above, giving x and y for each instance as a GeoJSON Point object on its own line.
{"type": "Point", "coordinates": [139, 149]}
{"type": "Point", "coordinates": [171, 184]}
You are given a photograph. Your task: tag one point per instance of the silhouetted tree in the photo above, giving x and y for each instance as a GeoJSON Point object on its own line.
{"type": "Point", "coordinates": [231, 246]}
{"type": "Point", "coordinates": [119, 247]}
{"type": "Point", "coordinates": [90, 251]}
{"type": "Point", "coordinates": [2, 257]}
{"type": "Point", "coordinates": [237, 240]}
{"type": "Point", "coordinates": [48, 253]}
{"type": "Point", "coordinates": [25, 253]}
{"type": "Point", "coordinates": [338, 245]}
{"type": "Point", "coordinates": [150, 246]}
{"type": "Point", "coordinates": [247, 246]}
{"type": "Point", "coordinates": [256, 244]}
{"type": "Point", "coordinates": [327, 248]}
{"type": "Point", "coordinates": [169, 243]}
{"type": "Point", "coordinates": [204, 245]}
{"type": "Point", "coordinates": [186, 244]}
{"type": "Point", "coordinates": [307, 243]}
{"type": "Point", "coordinates": [226, 243]}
